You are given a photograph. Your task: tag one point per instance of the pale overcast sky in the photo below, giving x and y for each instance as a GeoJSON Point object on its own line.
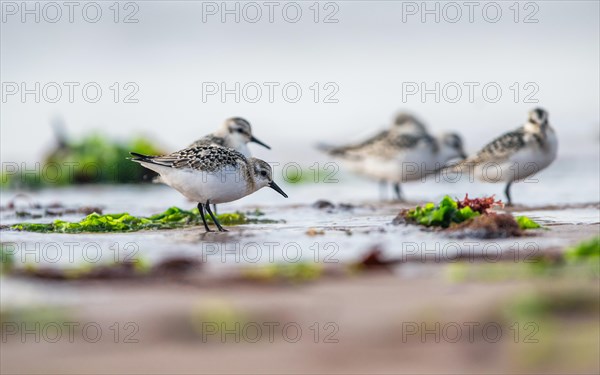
{"type": "Point", "coordinates": [177, 52]}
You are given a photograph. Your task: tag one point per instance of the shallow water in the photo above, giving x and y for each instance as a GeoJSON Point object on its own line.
{"type": "Point", "coordinates": [341, 235]}
{"type": "Point", "coordinates": [566, 193]}
{"type": "Point", "coordinates": [569, 180]}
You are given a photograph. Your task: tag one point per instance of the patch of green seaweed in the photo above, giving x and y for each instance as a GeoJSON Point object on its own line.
{"type": "Point", "coordinates": [526, 223]}
{"type": "Point", "coordinates": [588, 250]}
{"type": "Point", "coordinates": [585, 253]}
{"type": "Point", "coordinates": [172, 218]}
{"type": "Point", "coordinates": [92, 159]}
{"type": "Point", "coordinates": [294, 272]}
{"type": "Point", "coordinates": [450, 211]}
{"type": "Point", "coordinates": [579, 261]}
{"type": "Point", "coordinates": [442, 215]}
{"type": "Point", "coordinates": [7, 260]}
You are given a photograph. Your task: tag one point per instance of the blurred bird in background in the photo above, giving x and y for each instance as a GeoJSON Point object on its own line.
{"type": "Point", "coordinates": [404, 152]}
{"type": "Point", "coordinates": [515, 155]}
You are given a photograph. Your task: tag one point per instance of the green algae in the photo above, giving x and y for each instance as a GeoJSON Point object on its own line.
{"type": "Point", "coordinates": [92, 159]}
{"type": "Point", "coordinates": [526, 223]}
{"type": "Point", "coordinates": [294, 272]}
{"type": "Point", "coordinates": [7, 260]}
{"type": "Point", "coordinates": [450, 211]}
{"type": "Point", "coordinates": [579, 261]}
{"type": "Point", "coordinates": [172, 218]}
{"type": "Point", "coordinates": [584, 251]}
{"type": "Point", "coordinates": [442, 215]}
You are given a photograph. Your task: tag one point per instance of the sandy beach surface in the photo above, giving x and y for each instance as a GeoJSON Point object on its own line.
{"type": "Point", "coordinates": [328, 287]}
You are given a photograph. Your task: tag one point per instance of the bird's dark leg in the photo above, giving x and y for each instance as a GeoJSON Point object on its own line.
{"type": "Point", "coordinates": [398, 191]}
{"type": "Point", "coordinates": [507, 193]}
{"type": "Point", "coordinates": [201, 211]}
{"type": "Point", "coordinates": [221, 229]}
{"type": "Point", "coordinates": [383, 190]}
{"type": "Point", "coordinates": [215, 209]}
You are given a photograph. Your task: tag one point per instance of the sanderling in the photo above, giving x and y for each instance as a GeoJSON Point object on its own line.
{"type": "Point", "coordinates": [211, 174]}
{"type": "Point", "coordinates": [404, 152]}
{"type": "Point", "coordinates": [515, 155]}
{"type": "Point", "coordinates": [235, 133]}
{"type": "Point", "coordinates": [404, 123]}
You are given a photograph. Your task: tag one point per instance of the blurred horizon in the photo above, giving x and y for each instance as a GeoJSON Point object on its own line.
{"type": "Point", "coordinates": [368, 55]}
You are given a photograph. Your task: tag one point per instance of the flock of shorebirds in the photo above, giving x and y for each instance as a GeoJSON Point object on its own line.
{"type": "Point", "coordinates": [218, 168]}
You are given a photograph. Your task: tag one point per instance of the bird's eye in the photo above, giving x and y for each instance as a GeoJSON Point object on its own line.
{"type": "Point", "coordinates": [240, 130]}
{"type": "Point", "coordinates": [263, 173]}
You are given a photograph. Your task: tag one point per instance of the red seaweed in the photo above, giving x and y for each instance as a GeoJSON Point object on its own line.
{"type": "Point", "coordinates": [481, 205]}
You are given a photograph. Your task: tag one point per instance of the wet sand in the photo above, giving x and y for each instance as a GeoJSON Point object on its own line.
{"type": "Point", "coordinates": [401, 315]}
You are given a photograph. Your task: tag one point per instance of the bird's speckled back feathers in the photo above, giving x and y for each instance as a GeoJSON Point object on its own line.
{"type": "Point", "coordinates": [208, 140]}
{"type": "Point", "coordinates": [202, 158]}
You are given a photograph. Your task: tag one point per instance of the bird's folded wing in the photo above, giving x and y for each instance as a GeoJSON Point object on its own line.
{"type": "Point", "coordinates": [343, 150]}
{"type": "Point", "coordinates": [386, 146]}
{"type": "Point", "coordinates": [205, 158]}
{"type": "Point", "coordinates": [409, 141]}
{"type": "Point", "coordinates": [497, 151]}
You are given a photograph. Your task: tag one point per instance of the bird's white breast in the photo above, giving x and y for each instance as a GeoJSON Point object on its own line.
{"type": "Point", "coordinates": [225, 185]}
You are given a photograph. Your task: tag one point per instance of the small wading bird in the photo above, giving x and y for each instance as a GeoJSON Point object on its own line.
{"type": "Point", "coordinates": [211, 174]}
{"type": "Point", "coordinates": [515, 155]}
{"type": "Point", "coordinates": [404, 152]}
{"type": "Point", "coordinates": [235, 133]}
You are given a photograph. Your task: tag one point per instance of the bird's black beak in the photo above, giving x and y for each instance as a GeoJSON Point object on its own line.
{"type": "Point", "coordinates": [253, 139]}
{"type": "Point", "coordinates": [275, 187]}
